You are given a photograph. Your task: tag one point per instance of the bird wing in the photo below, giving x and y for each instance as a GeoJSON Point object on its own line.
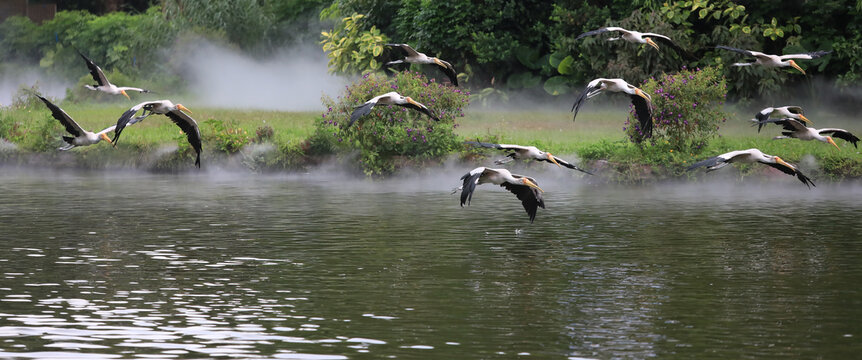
{"type": "Point", "coordinates": [530, 198]}
{"type": "Point", "coordinates": [811, 55]}
{"type": "Point", "coordinates": [95, 71]}
{"type": "Point", "coordinates": [791, 170]}
{"type": "Point", "coordinates": [643, 110]}
{"type": "Point", "coordinates": [407, 48]}
{"type": "Point", "coordinates": [126, 118]}
{"type": "Point", "coordinates": [71, 126]}
{"type": "Point", "coordinates": [190, 127]}
{"type": "Point", "coordinates": [598, 31]}
{"type": "Point", "coordinates": [362, 110]}
{"type": "Point", "coordinates": [570, 165]}
{"type": "Point", "coordinates": [583, 97]}
{"type": "Point", "coordinates": [126, 88]}
{"type": "Point", "coordinates": [841, 134]}
{"type": "Point", "coordinates": [741, 51]}
{"type": "Point", "coordinates": [484, 145]}
{"type": "Point", "coordinates": [762, 116]}
{"type": "Point", "coordinates": [447, 69]}
{"type": "Point", "coordinates": [794, 109]}
{"type": "Point", "coordinates": [471, 179]}
{"type": "Point", "coordinates": [715, 160]}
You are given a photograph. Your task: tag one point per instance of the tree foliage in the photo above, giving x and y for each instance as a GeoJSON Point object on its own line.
{"type": "Point", "coordinates": [352, 50]}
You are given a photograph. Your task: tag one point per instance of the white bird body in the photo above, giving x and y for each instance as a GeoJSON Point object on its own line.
{"type": "Point", "coordinates": [751, 156]}
{"type": "Point", "coordinates": [415, 57]}
{"type": "Point", "coordinates": [80, 136]}
{"type": "Point", "coordinates": [797, 130]}
{"type": "Point", "coordinates": [102, 83]}
{"type": "Point", "coordinates": [768, 60]}
{"type": "Point", "coordinates": [641, 100]}
{"type": "Point", "coordinates": [390, 98]}
{"type": "Point", "coordinates": [526, 152]}
{"type": "Point", "coordinates": [525, 188]}
{"type": "Point", "coordinates": [173, 111]}
{"type": "Point", "coordinates": [637, 37]}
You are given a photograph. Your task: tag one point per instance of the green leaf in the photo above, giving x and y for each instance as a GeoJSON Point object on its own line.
{"type": "Point", "coordinates": [565, 66]}
{"type": "Point", "coordinates": [528, 56]}
{"type": "Point", "coordinates": [746, 29]}
{"type": "Point", "coordinates": [557, 85]}
{"type": "Point", "coordinates": [556, 58]}
{"type": "Point", "coordinates": [702, 13]}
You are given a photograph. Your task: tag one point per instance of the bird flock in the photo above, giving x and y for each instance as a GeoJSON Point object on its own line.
{"type": "Point", "coordinates": [525, 188]}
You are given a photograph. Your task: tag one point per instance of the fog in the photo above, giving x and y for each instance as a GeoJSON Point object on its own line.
{"type": "Point", "coordinates": [12, 81]}
{"type": "Point", "coordinates": [293, 79]}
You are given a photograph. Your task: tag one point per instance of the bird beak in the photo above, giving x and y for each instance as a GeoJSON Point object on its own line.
{"type": "Point", "coordinates": [805, 119]}
{"type": "Point", "coordinates": [551, 157]}
{"type": "Point", "coordinates": [124, 94]}
{"type": "Point", "coordinates": [438, 62]}
{"type": "Point", "coordinates": [410, 100]}
{"type": "Point", "coordinates": [782, 162]}
{"type": "Point", "coordinates": [183, 108]}
{"type": "Point", "coordinates": [651, 43]}
{"type": "Point", "coordinates": [793, 63]}
{"type": "Point", "coordinates": [106, 138]}
{"type": "Point", "coordinates": [829, 140]}
{"type": "Point", "coordinates": [532, 185]}
{"type": "Point", "coordinates": [642, 94]}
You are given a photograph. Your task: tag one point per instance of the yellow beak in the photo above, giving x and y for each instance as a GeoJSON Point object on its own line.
{"type": "Point", "coordinates": [793, 63]}
{"type": "Point", "coordinates": [642, 94]}
{"type": "Point", "coordinates": [829, 140]}
{"type": "Point", "coordinates": [106, 138]}
{"type": "Point", "coordinates": [551, 158]}
{"type": "Point", "coordinates": [183, 108]}
{"type": "Point", "coordinates": [805, 119]}
{"type": "Point", "coordinates": [410, 100]}
{"type": "Point", "coordinates": [124, 94]}
{"type": "Point", "coordinates": [532, 185]}
{"type": "Point", "coordinates": [651, 43]}
{"type": "Point", "coordinates": [778, 160]}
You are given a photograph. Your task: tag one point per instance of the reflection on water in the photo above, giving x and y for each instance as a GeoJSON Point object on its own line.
{"type": "Point", "coordinates": [314, 267]}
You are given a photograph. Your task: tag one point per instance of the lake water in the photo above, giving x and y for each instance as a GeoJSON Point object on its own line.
{"type": "Point", "coordinates": [135, 265]}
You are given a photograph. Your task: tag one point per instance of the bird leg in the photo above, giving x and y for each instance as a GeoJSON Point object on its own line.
{"type": "Point", "coordinates": [743, 64]}
{"type": "Point", "coordinates": [781, 137]}
{"type": "Point", "coordinates": [395, 62]}
{"type": "Point", "coordinates": [614, 39]}
{"type": "Point", "coordinates": [503, 161]}
{"type": "Point", "coordinates": [457, 189]}
{"type": "Point", "coordinates": [67, 147]}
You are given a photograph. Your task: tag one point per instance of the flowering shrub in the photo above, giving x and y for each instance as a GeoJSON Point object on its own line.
{"type": "Point", "coordinates": [226, 135]}
{"type": "Point", "coordinates": [687, 109]}
{"type": "Point", "coordinates": [390, 133]}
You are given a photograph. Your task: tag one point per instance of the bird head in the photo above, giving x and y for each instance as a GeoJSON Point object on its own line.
{"type": "Point", "coordinates": [183, 108]}
{"type": "Point", "coordinates": [124, 94]}
{"type": "Point", "coordinates": [803, 118]}
{"type": "Point", "coordinates": [552, 159]}
{"type": "Point", "coordinates": [105, 137]}
{"type": "Point", "coordinates": [829, 140]}
{"type": "Point", "coordinates": [651, 43]}
{"type": "Point", "coordinates": [793, 63]}
{"type": "Point", "coordinates": [411, 101]}
{"type": "Point", "coordinates": [531, 184]}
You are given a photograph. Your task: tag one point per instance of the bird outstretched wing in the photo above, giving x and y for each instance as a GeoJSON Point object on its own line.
{"type": "Point", "coordinates": [530, 198]}
{"type": "Point", "coordinates": [95, 71]}
{"type": "Point", "coordinates": [361, 111]}
{"type": "Point", "coordinates": [190, 127]}
{"type": "Point", "coordinates": [71, 126]}
{"type": "Point", "coordinates": [841, 134]}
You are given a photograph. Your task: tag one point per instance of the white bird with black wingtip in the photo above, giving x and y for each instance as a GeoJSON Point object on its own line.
{"type": "Point", "coordinates": [102, 83]}
{"type": "Point", "coordinates": [173, 111]}
{"type": "Point", "coordinates": [526, 152]}
{"type": "Point", "coordinates": [415, 57]}
{"type": "Point", "coordinates": [767, 60]}
{"type": "Point", "coordinates": [752, 156]}
{"type": "Point", "coordinates": [795, 129]}
{"type": "Point", "coordinates": [390, 98]}
{"type": "Point", "coordinates": [641, 100]}
{"type": "Point", "coordinates": [637, 37]}
{"type": "Point", "coordinates": [525, 188]}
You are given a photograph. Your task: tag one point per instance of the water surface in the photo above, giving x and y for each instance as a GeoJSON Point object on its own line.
{"type": "Point", "coordinates": [131, 265]}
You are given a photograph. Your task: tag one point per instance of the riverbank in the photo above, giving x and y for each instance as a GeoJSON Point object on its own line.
{"type": "Point", "coordinates": [276, 141]}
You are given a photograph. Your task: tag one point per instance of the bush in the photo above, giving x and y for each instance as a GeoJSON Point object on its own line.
{"type": "Point", "coordinates": [227, 136]}
{"type": "Point", "coordinates": [390, 134]}
{"type": "Point", "coordinates": [352, 50]}
{"type": "Point", "coordinates": [687, 109]}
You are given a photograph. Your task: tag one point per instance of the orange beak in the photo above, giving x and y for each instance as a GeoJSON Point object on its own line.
{"type": "Point", "coordinates": [551, 158]}
{"type": "Point", "coordinates": [642, 94]}
{"type": "Point", "coordinates": [782, 162]}
{"type": "Point", "coordinates": [829, 140]}
{"type": "Point", "coordinates": [651, 43]}
{"type": "Point", "coordinates": [183, 108]}
{"type": "Point", "coordinates": [124, 94]}
{"type": "Point", "coordinates": [532, 184]}
{"type": "Point", "coordinates": [805, 119]}
{"type": "Point", "coordinates": [793, 63]}
{"type": "Point", "coordinates": [106, 138]}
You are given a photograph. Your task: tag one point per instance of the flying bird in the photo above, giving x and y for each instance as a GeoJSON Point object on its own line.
{"type": "Point", "coordinates": [523, 187]}
{"type": "Point", "coordinates": [415, 57]}
{"type": "Point", "coordinates": [80, 137]}
{"type": "Point", "coordinates": [793, 112]}
{"type": "Point", "coordinates": [390, 98]}
{"type": "Point", "coordinates": [751, 156]}
{"type": "Point", "coordinates": [164, 107]}
{"type": "Point", "coordinates": [797, 130]}
{"type": "Point", "coordinates": [102, 83]}
{"type": "Point", "coordinates": [774, 60]}
{"type": "Point", "coordinates": [641, 100]}
{"type": "Point", "coordinates": [526, 152]}
{"type": "Point", "coordinates": [636, 37]}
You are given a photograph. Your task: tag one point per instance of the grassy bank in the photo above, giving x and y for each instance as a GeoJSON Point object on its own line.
{"type": "Point", "coordinates": [242, 138]}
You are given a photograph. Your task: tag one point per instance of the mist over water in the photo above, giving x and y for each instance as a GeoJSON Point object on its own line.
{"type": "Point", "coordinates": [293, 79]}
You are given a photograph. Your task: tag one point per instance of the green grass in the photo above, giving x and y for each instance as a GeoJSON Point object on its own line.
{"type": "Point", "coordinates": [594, 135]}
